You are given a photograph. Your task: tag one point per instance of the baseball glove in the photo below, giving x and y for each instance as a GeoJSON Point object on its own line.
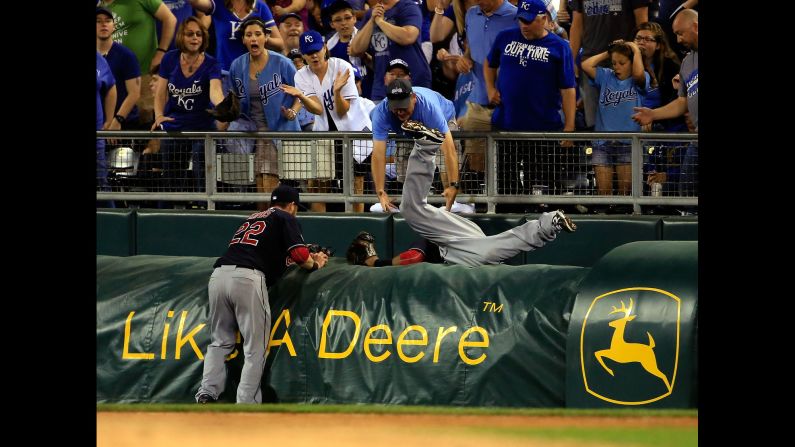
{"type": "Point", "coordinates": [316, 248]}
{"type": "Point", "coordinates": [361, 248]}
{"type": "Point", "coordinates": [227, 110]}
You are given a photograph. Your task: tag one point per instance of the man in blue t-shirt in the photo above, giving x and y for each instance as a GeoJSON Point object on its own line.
{"type": "Point", "coordinates": [536, 78]}
{"type": "Point", "coordinates": [421, 114]}
{"type": "Point", "coordinates": [392, 31]}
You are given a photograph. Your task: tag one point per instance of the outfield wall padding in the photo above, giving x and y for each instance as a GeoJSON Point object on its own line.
{"type": "Point", "coordinates": [424, 334]}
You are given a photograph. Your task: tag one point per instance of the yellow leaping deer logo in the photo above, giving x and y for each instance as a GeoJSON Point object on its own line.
{"type": "Point", "coordinates": [622, 352]}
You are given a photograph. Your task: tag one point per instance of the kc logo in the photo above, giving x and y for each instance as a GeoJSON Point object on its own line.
{"type": "Point", "coordinates": [308, 39]}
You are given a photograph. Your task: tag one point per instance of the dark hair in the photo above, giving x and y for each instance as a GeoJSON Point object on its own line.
{"type": "Point", "coordinates": [180, 40]}
{"type": "Point", "coordinates": [621, 47]}
{"type": "Point", "coordinates": [663, 52]}
{"type": "Point", "coordinates": [249, 22]}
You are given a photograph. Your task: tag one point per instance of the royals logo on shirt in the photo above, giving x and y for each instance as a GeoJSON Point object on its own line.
{"type": "Point", "coordinates": [615, 97]}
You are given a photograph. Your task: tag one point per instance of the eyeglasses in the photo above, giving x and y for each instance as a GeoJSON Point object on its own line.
{"type": "Point", "coordinates": [191, 33]}
{"type": "Point", "coordinates": [645, 39]}
{"type": "Point", "coordinates": [342, 19]}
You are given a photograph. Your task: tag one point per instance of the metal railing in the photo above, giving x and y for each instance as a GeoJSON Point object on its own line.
{"type": "Point", "coordinates": [495, 186]}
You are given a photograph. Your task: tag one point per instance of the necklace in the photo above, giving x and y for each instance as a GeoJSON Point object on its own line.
{"type": "Point", "coordinates": [191, 64]}
{"type": "Point", "coordinates": [257, 66]}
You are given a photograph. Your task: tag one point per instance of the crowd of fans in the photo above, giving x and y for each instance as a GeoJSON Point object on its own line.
{"type": "Point", "coordinates": [320, 65]}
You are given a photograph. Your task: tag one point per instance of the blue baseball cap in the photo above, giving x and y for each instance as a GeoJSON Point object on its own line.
{"type": "Point", "coordinates": [529, 9]}
{"type": "Point", "coordinates": [310, 42]}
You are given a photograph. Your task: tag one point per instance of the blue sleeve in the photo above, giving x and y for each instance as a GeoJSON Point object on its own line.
{"type": "Point", "coordinates": [131, 68]}
{"type": "Point", "coordinates": [601, 76]}
{"type": "Point", "coordinates": [431, 113]}
{"type": "Point", "coordinates": [265, 14]}
{"type": "Point", "coordinates": [566, 79]}
{"type": "Point", "coordinates": [215, 70]}
{"type": "Point", "coordinates": [496, 50]}
{"type": "Point", "coordinates": [380, 122]}
{"type": "Point", "coordinates": [410, 15]}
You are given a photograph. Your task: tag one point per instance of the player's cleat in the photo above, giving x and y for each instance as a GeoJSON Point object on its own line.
{"type": "Point", "coordinates": [205, 399]}
{"type": "Point", "coordinates": [561, 222]}
{"type": "Point", "coordinates": [419, 131]}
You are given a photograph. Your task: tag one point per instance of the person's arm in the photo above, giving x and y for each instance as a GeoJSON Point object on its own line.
{"type": "Point", "coordinates": [689, 4]}
{"type": "Point", "coordinates": [216, 91]}
{"type": "Point", "coordinates": [673, 109]}
{"type": "Point", "coordinates": [641, 15]}
{"type": "Point", "coordinates": [464, 63]}
{"type": "Point", "coordinates": [341, 104]}
{"type": "Point", "coordinates": [569, 96]}
{"type": "Point", "coordinates": [575, 38]}
{"type": "Point", "coordinates": [160, 97]}
{"type": "Point", "coordinates": [361, 41]}
{"type": "Point", "coordinates": [638, 72]}
{"type": "Point", "coordinates": [167, 31]}
{"type": "Point", "coordinates": [589, 65]}
{"type": "Point", "coordinates": [308, 261]}
{"type": "Point", "coordinates": [202, 5]}
{"type": "Point", "coordinates": [312, 103]}
{"type": "Point", "coordinates": [275, 41]}
{"type": "Point", "coordinates": [295, 6]}
{"type": "Point", "coordinates": [451, 162]}
{"type": "Point", "coordinates": [490, 76]}
{"type": "Point", "coordinates": [378, 168]}
{"type": "Point", "coordinates": [109, 106]}
{"type": "Point", "coordinates": [133, 93]}
{"type": "Point", "coordinates": [401, 35]}
{"type": "Point", "coordinates": [441, 27]}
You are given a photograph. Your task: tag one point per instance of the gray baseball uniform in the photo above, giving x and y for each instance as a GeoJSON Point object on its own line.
{"type": "Point", "coordinates": [460, 240]}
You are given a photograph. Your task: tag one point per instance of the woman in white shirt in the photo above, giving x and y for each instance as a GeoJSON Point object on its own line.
{"type": "Point", "coordinates": [327, 88]}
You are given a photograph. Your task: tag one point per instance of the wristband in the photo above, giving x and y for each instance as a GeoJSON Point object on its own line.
{"type": "Point", "coordinates": [438, 10]}
{"type": "Point", "coordinates": [120, 119]}
{"type": "Point", "coordinates": [455, 185]}
{"type": "Point", "coordinates": [160, 49]}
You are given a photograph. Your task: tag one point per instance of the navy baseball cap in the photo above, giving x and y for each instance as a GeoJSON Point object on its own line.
{"type": "Point", "coordinates": [295, 53]}
{"type": "Point", "coordinates": [284, 193]}
{"type": "Point", "coordinates": [398, 63]}
{"type": "Point", "coordinates": [529, 9]}
{"type": "Point", "coordinates": [106, 11]}
{"type": "Point", "coordinates": [288, 15]}
{"type": "Point", "coordinates": [398, 93]}
{"type": "Point", "coordinates": [310, 42]}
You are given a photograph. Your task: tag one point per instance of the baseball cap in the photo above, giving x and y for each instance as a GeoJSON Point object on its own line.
{"type": "Point", "coordinates": [288, 15]}
{"type": "Point", "coordinates": [398, 94]}
{"type": "Point", "coordinates": [529, 9]}
{"type": "Point", "coordinates": [295, 53]}
{"type": "Point", "coordinates": [106, 11]}
{"type": "Point", "coordinates": [395, 63]}
{"type": "Point", "coordinates": [284, 193]}
{"type": "Point", "coordinates": [310, 42]}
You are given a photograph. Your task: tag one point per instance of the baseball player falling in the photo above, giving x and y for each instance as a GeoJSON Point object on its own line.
{"type": "Point", "coordinates": [418, 113]}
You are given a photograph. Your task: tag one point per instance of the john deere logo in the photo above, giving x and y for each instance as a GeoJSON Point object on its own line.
{"type": "Point", "coordinates": [629, 346]}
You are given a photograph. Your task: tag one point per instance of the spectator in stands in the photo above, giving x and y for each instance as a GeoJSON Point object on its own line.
{"type": "Point", "coordinates": [190, 81]}
{"type": "Point", "coordinates": [135, 29]}
{"type": "Point", "coordinates": [258, 76]}
{"type": "Point", "coordinates": [126, 71]}
{"type": "Point", "coordinates": [342, 18]}
{"type": "Point", "coordinates": [483, 23]}
{"type": "Point", "coordinates": [620, 89]}
{"type": "Point", "coordinates": [327, 88]}
{"type": "Point", "coordinates": [662, 64]}
{"type": "Point", "coordinates": [306, 119]}
{"type": "Point", "coordinates": [685, 27]}
{"type": "Point", "coordinates": [392, 31]}
{"type": "Point", "coordinates": [594, 26]}
{"type": "Point", "coordinates": [528, 93]}
{"type": "Point", "coordinates": [181, 10]}
{"type": "Point", "coordinates": [552, 21]}
{"type": "Point", "coordinates": [291, 27]}
{"type": "Point", "coordinates": [227, 17]}
{"type": "Point", "coordinates": [106, 103]}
